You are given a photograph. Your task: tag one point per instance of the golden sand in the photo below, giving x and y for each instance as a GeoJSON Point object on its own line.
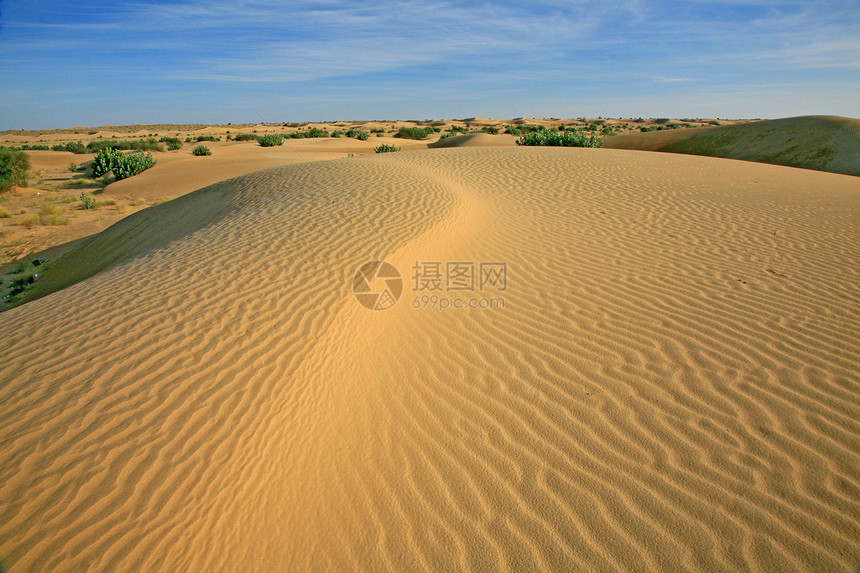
{"type": "Point", "coordinates": [672, 384]}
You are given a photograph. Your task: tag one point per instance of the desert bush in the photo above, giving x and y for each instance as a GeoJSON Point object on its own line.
{"type": "Point", "coordinates": [201, 150]}
{"type": "Point", "coordinates": [245, 137]}
{"type": "Point", "coordinates": [13, 169]}
{"type": "Point", "coordinates": [413, 132]}
{"type": "Point", "coordinates": [490, 130]}
{"type": "Point", "coordinates": [52, 215]}
{"type": "Point", "coordinates": [4, 214]}
{"type": "Point", "coordinates": [87, 201]}
{"type": "Point", "coordinates": [173, 143]}
{"type": "Point", "coordinates": [311, 133]}
{"type": "Point", "coordinates": [377, 130]}
{"type": "Point", "coordinates": [132, 164]}
{"type": "Point", "coordinates": [358, 134]}
{"type": "Point", "coordinates": [337, 133]}
{"type": "Point", "coordinates": [35, 147]}
{"type": "Point", "coordinates": [150, 144]}
{"type": "Point", "coordinates": [73, 167]}
{"type": "Point", "coordinates": [554, 138]}
{"type": "Point", "coordinates": [29, 221]}
{"type": "Point", "coordinates": [105, 161]}
{"type": "Point", "coordinates": [270, 140]}
{"type": "Point", "coordinates": [385, 148]}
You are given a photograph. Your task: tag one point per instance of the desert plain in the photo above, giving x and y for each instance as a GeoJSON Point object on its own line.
{"type": "Point", "coordinates": [589, 359]}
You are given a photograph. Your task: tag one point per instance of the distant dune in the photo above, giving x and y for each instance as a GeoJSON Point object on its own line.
{"type": "Point", "coordinates": [824, 143]}
{"type": "Point", "coordinates": [666, 381]}
{"type": "Point", "coordinates": [474, 140]}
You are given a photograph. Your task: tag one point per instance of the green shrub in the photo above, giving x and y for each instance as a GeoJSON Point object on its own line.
{"type": "Point", "coordinates": [13, 169]}
{"type": "Point", "coordinates": [87, 201]}
{"type": "Point", "coordinates": [132, 164]}
{"type": "Point", "coordinates": [551, 137]}
{"type": "Point", "coordinates": [377, 130]}
{"type": "Point", "coordinates": [270, 140]}
{"type": "Point", "coordinates": [73, 167]}
{"type": "Point", "coordinates": [4, 213]}
{"type": "Point", "coordinates": [75, 147]}
{"type": "Point", "coordinates": [173, 143]}
{"type": "Point", "coordinates": [490, 130]}
{"type": "Point", "coordinates": [311, 133]}
{"type": "Point", "coordinates": [201, 150]}
{"type": "Point", "coordinates": [246, 137]}
{"type": "Point", "coordinates": [35, 147]}
{"type": "Point", "coordinates": [150, 144]}
{"type": "Point", "coordinates": [337, 133]}
{"type": "Point", "coordinates": [105, 161]}
{"type": "Point", "coordinates": [413, 132]}
{"type": "Point", "coordinates": [385, 148]}
{"type": "Point", "coordinates": [358, 134]}
{"type": "Point", "coordinates": [58, 147]}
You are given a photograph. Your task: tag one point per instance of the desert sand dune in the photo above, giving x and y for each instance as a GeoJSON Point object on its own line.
{"type": "Point", "coordinates": [671, 385]}
{"type": "Point", "coordinates": [475, 140]}
{"type": "Point", "coordinates": [825, 143]}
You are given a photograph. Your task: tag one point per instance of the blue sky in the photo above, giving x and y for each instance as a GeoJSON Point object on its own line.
{"type": "Point", "coordinates": [187, 61]}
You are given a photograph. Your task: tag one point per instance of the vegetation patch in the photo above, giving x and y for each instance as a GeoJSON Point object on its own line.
{"type": "Point", "coordinates": [358, 134]}
{"type": "Point", "coordinates": [13, 169]}
{"type": "Point", "coordinates": [121, 164]}
{"type": "Point", "coordinates": [414, 132]}
{"type": "Point", "coordinates": [555, 138]}
{"type": "Point", "coordinates": [385, 148]}
{"type": "Point", "coordinates": [201, 150]}
{"type": "Point", "coordinates": [270, 140]}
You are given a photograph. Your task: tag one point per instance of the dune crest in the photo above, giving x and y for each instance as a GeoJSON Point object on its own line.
{"type": "Point", "coordinates": [671, 383]}
{"type": "Point", "coordinates": [823, 143]}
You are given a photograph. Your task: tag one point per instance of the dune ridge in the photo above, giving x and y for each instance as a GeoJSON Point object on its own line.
{"type": "Point", "coordinates": [823, 143]}
{"type": "Point", "coordinates": [672, 383]}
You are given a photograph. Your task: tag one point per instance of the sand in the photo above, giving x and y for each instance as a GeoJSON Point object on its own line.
{"type": "Point", "coordinates": [672, 384]}
{"type": "Point", "coordinates": [820, 142]}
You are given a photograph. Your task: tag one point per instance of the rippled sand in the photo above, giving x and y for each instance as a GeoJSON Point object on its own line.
{"type": "Point", "coordinates": [672, 384]}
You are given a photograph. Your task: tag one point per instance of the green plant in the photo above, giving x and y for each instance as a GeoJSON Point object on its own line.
{"type": "Point", "coordinates": [4, 214]}
{"type": "Point", "coordinates": [150, 144]}
{"type": "Point", "coordinates": [245, 137]}
{"type": "Point", "coordinates": [358, 134]}
{"type": "Point", "coordinates": [73, 167]}
{"type": "Point", "coordinates": [75, 147]}
{"type": "Point", "coordinates": [132, 164]}
{"type": "Point", "coordinates": [413, 132]}
{"type": "Point", "coordinates": [270, 140]}
{"type": "Point", "coordinates": [385, 148]}
{"type": "Point", "coordinates": [201, 150]}
{"type": "Point", "coordinates": [105, 161]}
{"type": "Point", "coordinates": [490, 130]}
{"type": "Point", "coordinates": [87, 201]}
{"type": "Point", "coordinates": [173, 143]}
{"type": "Point", "coordinates": [551, 137]}
{"type": "Point", "coordinates": [13, 169]}
{"type": "Point", "coordinates": [377, 130]}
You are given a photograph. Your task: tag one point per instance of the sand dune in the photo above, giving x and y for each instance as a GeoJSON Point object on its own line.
{"type": "Point", "coordinates": [475, 140]}
{"type": "Point", "coordinates": [672, 384]}
{"type": "Point", "coordinates": [825, 143]}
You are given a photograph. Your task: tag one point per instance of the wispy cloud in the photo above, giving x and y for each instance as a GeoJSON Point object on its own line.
{"type": "Point", "coordinates": [160, 48]}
